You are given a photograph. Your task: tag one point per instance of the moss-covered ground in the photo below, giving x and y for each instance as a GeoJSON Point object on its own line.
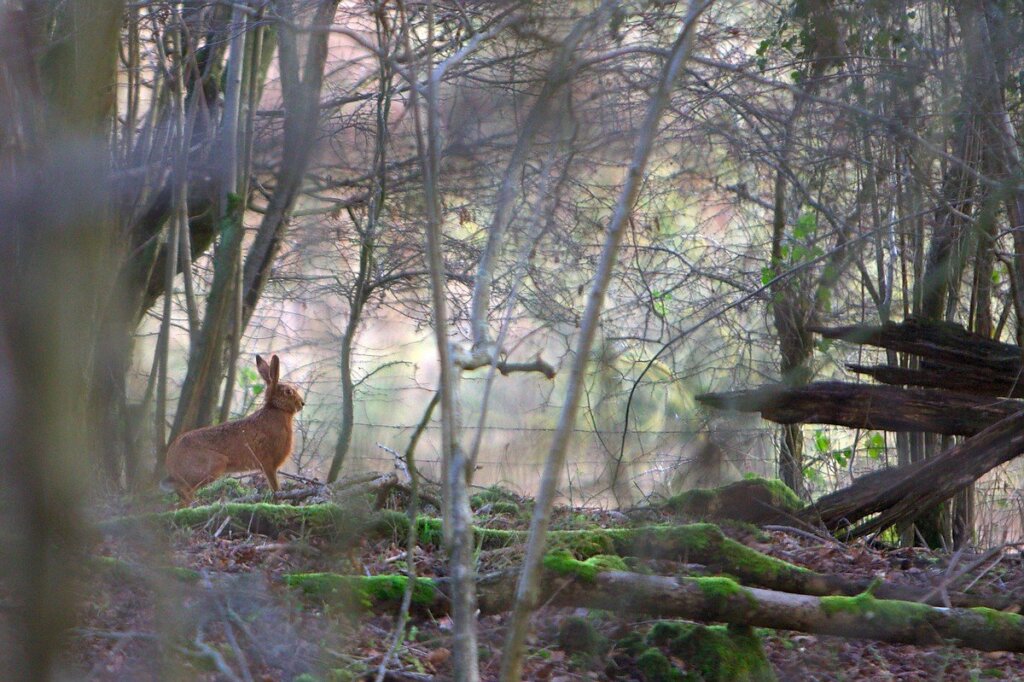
{"type": "Point", "coordinates": [309, 592]}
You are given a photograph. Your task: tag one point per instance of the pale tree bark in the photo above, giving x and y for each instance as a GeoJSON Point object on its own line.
{"type": "Point", "coordinates": [526, 591]}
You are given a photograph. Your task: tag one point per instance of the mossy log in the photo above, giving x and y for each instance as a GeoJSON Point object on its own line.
{"type": "Point", "coordinates": [326, 520]}
{"type": "Point", "coordinates": [597, 584]}
{"type": "Point", "coordinates": [702, 543]}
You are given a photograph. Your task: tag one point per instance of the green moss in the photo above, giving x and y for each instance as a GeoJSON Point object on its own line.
{"type": "Point", "coordinates": [714, 653]}
{"type": "Point", "coordinates": [491, 495]}
{"type": "Point", "coordinates": [363, 590]}
{"type": "Point", "coordinates": [1000, 619]}
{"type": "Point", "coordinates": [882, 610]}
{"type": "Point", "coordinates": [721, 590]}
{"type": "Point", "coordinates": [782, 495]}
{"type": "Point", "coordinates": [664, 631]}
{"type": "Point", "coordinates": [344, 675]}
{"type": "Point", "coordinates": [633, 644]}
{"type": "Point", "coordinates": [263, 517]}
{"type": "Point", "coordinates": [608, 562]}
{"type": "Point", "coordinates": [742, 560]}
{"type": "Point", "coordinates": [705, 542]}
{"type": "Point", "coordinates": [691, 501]}
{"type": "Point", "coordinates": [510, 508]}
{"type": "Point", "coordinates": [578, 635]}
{"type": "Point", "coordinates": [561, 561]}
{"type": "Point", "coordinates": [722, 654]}
{"type": "Point", "coordinates": [655, 667]}
{"type": "Point", "coordinates": [751, 499]}
{"type": "Point", "coordinates": [223, 488]}
{"type": "Point", "coordinates": [585, 543]}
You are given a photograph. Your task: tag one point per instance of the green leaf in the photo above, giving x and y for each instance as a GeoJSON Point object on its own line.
{"type": "Point", "coordinates": [822, 443]}
{"type": "Point", "coordinates": [806, 225]}
{"type": "Point", "coordinates": [767, 274]}
{"type": "Point", "coordinates": [875, 445]}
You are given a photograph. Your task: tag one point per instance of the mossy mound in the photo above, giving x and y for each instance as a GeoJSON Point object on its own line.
{"type": "Point", "coordinates": [355, 592]}
{"type": "Point", "coordinates": [226, 488]}
{"type": "Point", "coordinates": [561, 561]}
{"type": "Point", "coordinates": [579, 636]}
{"type": "Point", "coordinates": [711, 653]}
{"type": "Point", "coordinates": [753, 500]}
{"type": "Point", "coordinates": [493, 495]}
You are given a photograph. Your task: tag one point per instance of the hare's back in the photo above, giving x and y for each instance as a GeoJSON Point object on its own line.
{"type": "Point", "coordinates": [218, 438]}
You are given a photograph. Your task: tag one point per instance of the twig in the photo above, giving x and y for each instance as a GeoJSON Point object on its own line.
{"type": "Point", "coordinates": [804, 534]}
{"type": "Point", "coordinates": [214, 656]}
{"type": "Point", "coordinates": [114, 634]}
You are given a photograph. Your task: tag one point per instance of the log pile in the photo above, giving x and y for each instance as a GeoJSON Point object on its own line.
{"type": "Point", "coordinates": [964, 385]}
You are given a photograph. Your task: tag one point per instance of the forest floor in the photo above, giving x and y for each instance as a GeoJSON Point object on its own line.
{"type": "Point", "coordinates": [239, 620]}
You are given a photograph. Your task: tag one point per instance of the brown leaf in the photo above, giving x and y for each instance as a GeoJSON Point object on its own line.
{"type": "Point", "coordinates": [438, 657]}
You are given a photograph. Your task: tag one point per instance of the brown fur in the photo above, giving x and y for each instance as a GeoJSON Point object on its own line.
{"type": "Point", "coordinates": [262, 441]}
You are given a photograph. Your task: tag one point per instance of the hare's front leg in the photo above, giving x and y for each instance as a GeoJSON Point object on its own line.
{"type": "Point", "coordinates": [271, 473]}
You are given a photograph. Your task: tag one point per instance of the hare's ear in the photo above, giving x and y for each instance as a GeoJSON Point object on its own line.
{"type": "Point", "coordinates": [264, 369]}
{"type": "Point", "coordinates": [275, 369]}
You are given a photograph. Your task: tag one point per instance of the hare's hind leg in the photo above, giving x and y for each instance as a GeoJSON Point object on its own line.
{"type": "Point", "coordinates": [185, 493]}
{"type": "Point", "coordinates": [204, 467]}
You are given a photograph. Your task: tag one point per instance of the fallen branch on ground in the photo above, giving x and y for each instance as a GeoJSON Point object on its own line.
{"type": "Point", "coordinates": [584, 584]}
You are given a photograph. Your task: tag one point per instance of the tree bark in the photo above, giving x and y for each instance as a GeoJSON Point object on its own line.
{"type": "Point", "coordinates": [862, 406]}
{"type": "Point", "coordinates": [945, 342]}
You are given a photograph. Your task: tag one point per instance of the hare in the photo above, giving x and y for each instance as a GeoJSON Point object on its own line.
{"type": "Point", "coordinates": [263, 440]}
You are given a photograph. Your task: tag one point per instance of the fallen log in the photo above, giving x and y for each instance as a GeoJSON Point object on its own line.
{"type": "Point", "coordinates": [901, 494]}
{"type": "Point", "coordinates": [944, 341]}
{"type": "Point", "coordinates": [702, 543]}
{"type": "Point", "coordinates": [601, 584]}
{"type": "Point", "coordinates": [863, 406]}
{"type": "Point", "coordinates": [973, 380]}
